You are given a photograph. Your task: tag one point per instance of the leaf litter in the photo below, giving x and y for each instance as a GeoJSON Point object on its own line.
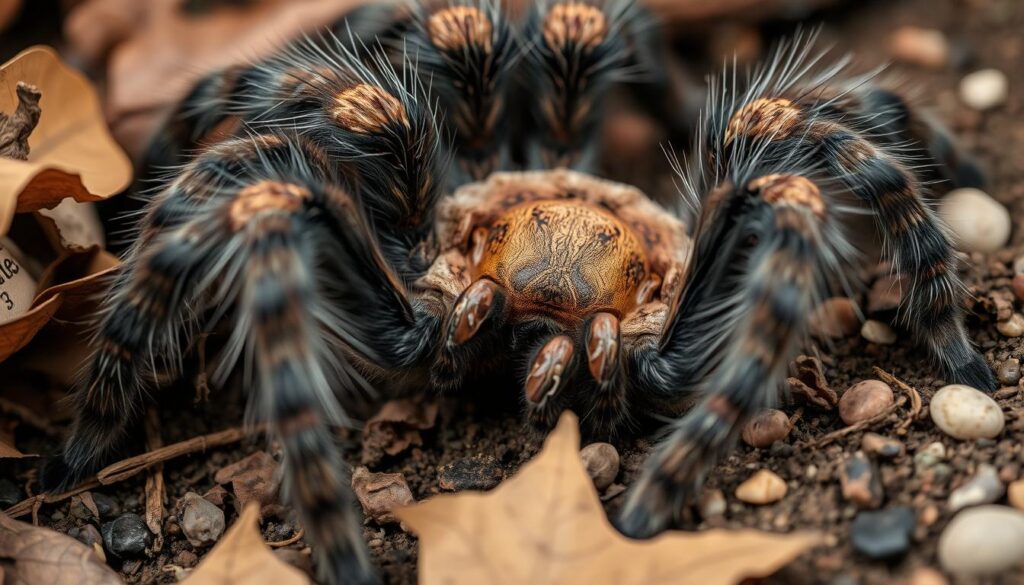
{"type": "Point", "coordinates": [546, 525]}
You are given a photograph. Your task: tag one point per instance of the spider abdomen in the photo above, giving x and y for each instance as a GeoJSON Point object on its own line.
{"type": "Point", "coordinates": [563, 256]}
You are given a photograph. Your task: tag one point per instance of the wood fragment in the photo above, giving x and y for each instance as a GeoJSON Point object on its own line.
{"type": "Point", "coordinates": [864, 424]}
{"type": "Point", "coordinates": [17, 127]}
{"type": "Point", "coordinates": [912, 394]}
{"type": "Point", "coordinates": [154, 482]}
{"type": "Point", "coordinates": [134, 465]}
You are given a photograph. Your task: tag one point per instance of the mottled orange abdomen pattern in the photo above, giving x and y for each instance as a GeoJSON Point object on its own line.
{"type": "Point", "coordinates": [564, 256]}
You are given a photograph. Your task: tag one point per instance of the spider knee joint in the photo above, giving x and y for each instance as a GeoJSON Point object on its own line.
{"type": "Point", "coordinates": [263, 197]}
{"type": "Point", "coordinates": [792, 190]}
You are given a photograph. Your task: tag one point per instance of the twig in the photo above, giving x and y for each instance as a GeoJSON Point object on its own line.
{"type": "Point", "coordinates": [291, 540]}
{"type": "Point", "coordinates": [32, 504]}
{"type": "Point", "coordinates": [134, 465]}
{"type": "Point", "coordinates": [154, 482]}
{"type": "Point", "coordinates": [826, 439]}
{"type": "Point", "coordinates": [915, 398]}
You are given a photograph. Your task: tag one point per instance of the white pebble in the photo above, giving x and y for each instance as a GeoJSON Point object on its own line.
{"type": "Point", "coordinates": [983, 488]}
{"type": "Point", "coordinates": [982, 541]}
{"type": "Point", "coordinates": [966, 413]}
{"type": "Point", "coordinates": [984, 89]}
{"type": "Point", "coordinates": [878, 332]}
{"type": "Point", "coordinates": [17, 287]}
{"type": "Point", "coordinates": [979, 223]}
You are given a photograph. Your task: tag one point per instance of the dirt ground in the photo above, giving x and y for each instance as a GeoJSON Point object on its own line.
{"type": "Point", "coordinates": [989, 33]}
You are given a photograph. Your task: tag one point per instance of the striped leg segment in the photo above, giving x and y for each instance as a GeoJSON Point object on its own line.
{"type": "Point", "coordinates": [577, 50]}
{"type": "Point", "coordinates": [917, 245]}
{"type": "Point", "coordinates": [779, 279]}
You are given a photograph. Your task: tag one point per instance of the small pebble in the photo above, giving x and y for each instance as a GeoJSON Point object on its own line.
{"type": "Point", "coordinates": [864, 400]}
{"type": "Point", "coordinates": [476, 473]}
{"type": "Point", "coordinates": [883, 534]}
{"type": "Point", "coordinates": [764, 487]}
{"type": "Point", "coordinates": [984, 89]}
{"type": "Point", "coordinates": [926, 47]}
{"type": "Point", "coordinates": [978, 222]}
{"type": "Point", "coordinates": [126, 536]}
{"type": "Point", "coordinates": [765, 428]}
{"type": "Point", "coordinates": [601, 461]}
{"type": "Point", "coordinates": [930, 455]}
{"type": "Point", "coordinates": [834, 318]}
{"type": "Point", "coordinates": [1008, 372]}
{"type": "Point", "coordinates": [878, 332]}
{"type": "Point", "coordinates": [712, 504]}
{"type": "Point", "coordinates": [985, 540]}
{"type": "Point", "coordinates": [1015, 494]}
{"type": "Point", "coordinates": [883, 447]}
{"type": "Point", "coordinates": [966, 413]}
{"type": "Point", "coordinates": [860, 481]}
{"type": "Point", "coordinates": [200, 521]}
{"type": "Point", "coordinates": [381, 493]}
{"type": "Point", "coordinates": [927, 576]}
{"type": "Point", "coordinates": [886, 294]}
{"type": "Point", "coordinates": [1018, 286]}
{"type": "Point", "coordinates": [1012, 327]}
{"type": "Point", "coordinates": [983, 488]}
{"type": "Point", "coordinates": [9, 494]}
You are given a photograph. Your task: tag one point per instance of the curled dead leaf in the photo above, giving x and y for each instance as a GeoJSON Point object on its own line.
{"type": "Point", "coordinates": [808, 382]}
{"type": "Point", "coordinates": [242, 558]}
{"type": "Point", "coordinates": [66, 285]}
{"type": "Point", "coordinates": [9, 451]}
{"type": "Point", "coordinates": [71, 152]}
{"type": "Point", "coordinates": [396, 427]}
{"type": "Point", "coordinates": [546, 525]}
{"type": "Point", "coordinates": [30, 554]}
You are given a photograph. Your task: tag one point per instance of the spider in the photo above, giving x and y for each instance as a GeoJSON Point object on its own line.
{"type": "Point", "coordinates": [356, 233]}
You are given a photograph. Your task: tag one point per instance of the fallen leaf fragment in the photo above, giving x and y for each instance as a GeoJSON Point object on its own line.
{"type": "Point", "coordinates": [66, 285]}
{"type": "Point", "coordinates": [8, 451]}
{"type": "Point", "coordinates": [242, 558]}
{"type": "Point", "coordinates": [71, 152]}
{"type": "Point", "coordinates": [381, 493]}
{"type": "Point", "coordinates": [396, 427]}
{"type": "Point", "coordinates": [546, 525]}
{"type": "Point", "coordinates": [809, 383]}
{"type": "Point", "coordinates": [30, 554]}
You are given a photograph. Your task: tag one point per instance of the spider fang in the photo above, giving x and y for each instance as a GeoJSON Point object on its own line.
{"type": "Point", "coordinates": [546, 371]}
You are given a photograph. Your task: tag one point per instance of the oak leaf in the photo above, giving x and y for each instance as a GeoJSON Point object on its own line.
{"type": "Point", "coordinates": [30, 554]}
{"type": "Point", "coordinates": [546, 525]}
{"type": "Point", "coordinates": [71, 152]}
{"type": "Point", "coordinates": [242, 558]}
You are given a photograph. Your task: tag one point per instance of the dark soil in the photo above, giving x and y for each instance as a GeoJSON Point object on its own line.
{"type": "Point", "coordinates": [989, 32]}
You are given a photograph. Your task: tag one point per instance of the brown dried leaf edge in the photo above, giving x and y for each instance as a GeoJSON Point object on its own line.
{"type": "Point", "coordinates": [77, 278]}
{"type": "Point", "coordinates": [546, 525]}
{"type": "Point", "coordinates": [39, 555]}
{"type": "Point", "coordinates": [72, 152]}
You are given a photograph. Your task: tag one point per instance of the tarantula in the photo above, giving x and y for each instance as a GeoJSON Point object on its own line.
{"type": "Point", "coordinates": [340, 235]}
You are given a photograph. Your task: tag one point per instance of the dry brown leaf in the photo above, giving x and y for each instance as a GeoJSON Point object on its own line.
{"type": "Point", "coordinates": [8, 451]}
{"type": "Point", "coordinates": [546, 525]}
{"type": "Point", "coordinates": [157, 51]}
{"type": "Point", "coordinates": [396, 427]}
{"type": "Point", "coordinates": [69, 283]}
{"type": "Point", "coordinates": [72, 153]}
{"type": "Point", "coordinates": [29, 554]}
{"type": "Point", "coordinates": [242, 558]}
